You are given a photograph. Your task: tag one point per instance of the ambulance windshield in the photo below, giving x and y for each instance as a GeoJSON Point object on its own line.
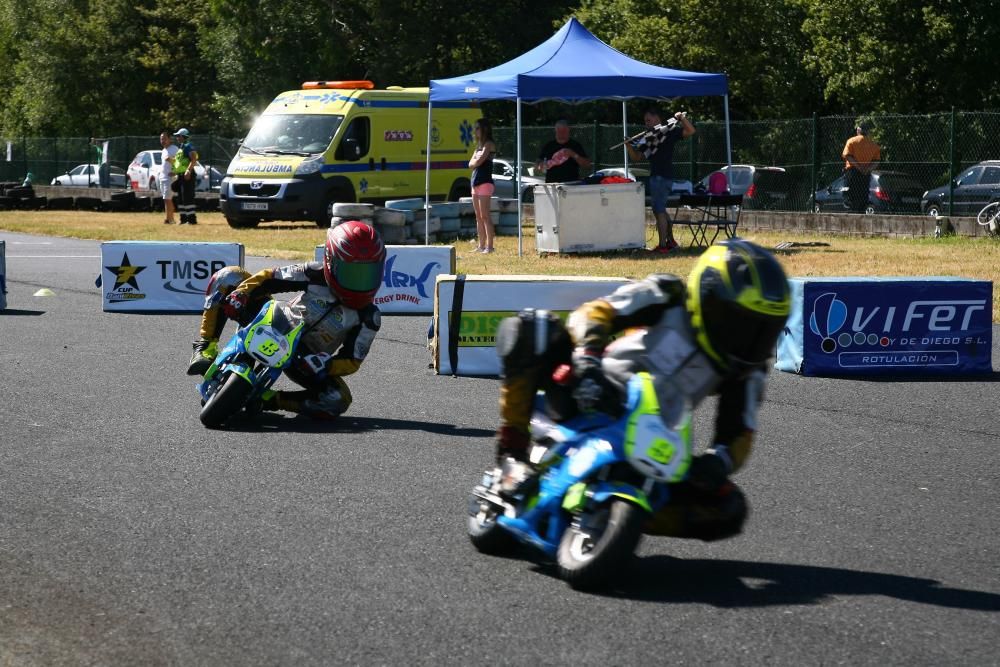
{"type": "Point", "coordinates": [292, 134]}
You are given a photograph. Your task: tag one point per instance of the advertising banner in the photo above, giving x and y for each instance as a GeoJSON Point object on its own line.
{"type": "Point", "coordinates": [410, 272]}
{"type": "Point", "coordinates": [888, 326]}
{"type": "Point", "coordinates": [478, 304]}
{"type": "Point", "coordinates": [161, 276]}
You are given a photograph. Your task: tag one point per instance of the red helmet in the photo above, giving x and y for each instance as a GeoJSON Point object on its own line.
{"type": "Point", "coordinates": [353, 260]}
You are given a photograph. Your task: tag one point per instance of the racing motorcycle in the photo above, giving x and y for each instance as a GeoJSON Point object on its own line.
{"type": "Point", "coordinates": [251, 362]}
{"type": "Point", "coordinates": [599, 480]}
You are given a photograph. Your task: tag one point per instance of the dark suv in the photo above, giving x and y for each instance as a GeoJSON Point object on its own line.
{"type": "Point", "coordinates": [975, 188]}
{"type": "Point", "coordinates": [888, 192]}
{"type": "Point", "coordinates": [765, 188]}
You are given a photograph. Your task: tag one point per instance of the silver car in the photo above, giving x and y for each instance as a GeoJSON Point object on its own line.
{"type": "Point", "coordinates": [505, 180]}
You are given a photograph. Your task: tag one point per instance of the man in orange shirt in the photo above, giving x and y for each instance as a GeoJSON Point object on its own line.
{"type": "Point", "coordinates": [861, 155]}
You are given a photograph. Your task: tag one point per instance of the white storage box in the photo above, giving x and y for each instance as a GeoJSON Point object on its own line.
{"type": "Point", "coordinates": [590, 218]}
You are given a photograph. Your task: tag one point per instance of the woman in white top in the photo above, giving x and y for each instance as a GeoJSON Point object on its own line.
{"type": "Point", "coordinates": [167, 175]}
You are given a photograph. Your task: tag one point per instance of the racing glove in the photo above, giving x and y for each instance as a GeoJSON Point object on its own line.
{"type": "Point", "coordinates": [235, 304]}
{"type": "Point", "coordinates": [592, 390]}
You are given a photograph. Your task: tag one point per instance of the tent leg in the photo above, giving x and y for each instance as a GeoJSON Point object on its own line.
{"type": "Point", "coordinates": [625, 134]}
{"type": "Point", "coordinates": [729, 148]}
{"type": "Point", "coordinates": [517, 171]}
{"type": "Point", "coordinates": [427, 178]}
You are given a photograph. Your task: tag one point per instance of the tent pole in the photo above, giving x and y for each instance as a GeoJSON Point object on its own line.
{"type": "Point", "coordinates": [729, 147]}
{"type": "Point", "coordinates": [427, 177]}
{"type": "Point", "coordinates": [517, 172]}
{"type": "Point", "coordinates": [625, 134]}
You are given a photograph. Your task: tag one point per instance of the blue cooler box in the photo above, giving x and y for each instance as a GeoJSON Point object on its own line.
{"type": "Point", "coordinates": [888, 327]}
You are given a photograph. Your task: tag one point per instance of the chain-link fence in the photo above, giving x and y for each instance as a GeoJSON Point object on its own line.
{"type": "Point", "coordinates": [930, 150]}
{"type": "Point", "coordinates": [47, 158]}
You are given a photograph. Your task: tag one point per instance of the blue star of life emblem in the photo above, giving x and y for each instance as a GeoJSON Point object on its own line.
{"type": "Point", "coordinates": [363, 185]}
{"type": "Point", "coordinates": [465, 129]}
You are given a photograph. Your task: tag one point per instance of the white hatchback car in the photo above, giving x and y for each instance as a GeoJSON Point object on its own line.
{"type": "Point", "coordinates": [144, 172]}
{"type": "Point", "coordinates": [89, 175]}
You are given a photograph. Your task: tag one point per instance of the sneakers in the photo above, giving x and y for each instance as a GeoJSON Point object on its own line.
{"type": "Point", "coordinates": [665, 249]}
{"type": "Point", "coordinates": [203, 356]}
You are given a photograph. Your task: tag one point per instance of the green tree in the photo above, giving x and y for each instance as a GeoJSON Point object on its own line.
{"type": "Point", "coordinates": [758, 44]}
{"type": "Point", "coordinates": [902, 56]}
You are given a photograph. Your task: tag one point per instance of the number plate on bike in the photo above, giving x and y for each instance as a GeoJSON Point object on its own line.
{"type": "Point", "coordinates": [268, 347]}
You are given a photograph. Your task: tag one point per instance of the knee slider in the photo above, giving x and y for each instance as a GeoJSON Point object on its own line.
{"type": "Point", "coordinates": [530, 338]}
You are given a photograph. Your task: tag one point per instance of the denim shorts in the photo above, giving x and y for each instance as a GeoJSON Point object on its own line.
{"type": "Point", "coordinates": [659, 190]}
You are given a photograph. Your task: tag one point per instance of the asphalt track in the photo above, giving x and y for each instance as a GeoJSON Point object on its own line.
{"type": "Point", "coordinates": [130, 535]}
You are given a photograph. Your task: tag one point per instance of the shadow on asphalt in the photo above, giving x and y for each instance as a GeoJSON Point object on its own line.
{"type": "Point", "coordinates": [17, 311]}
{"type": "Point", "coordinates": [348, 424]}
{"type": "Point", "coordinates": [731, 583]}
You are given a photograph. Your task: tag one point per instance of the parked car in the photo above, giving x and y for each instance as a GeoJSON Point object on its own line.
{"type": "Point", "coordinates": [976, 187]}
{"type": "Point", "coordinates": [89, 176]}
{"type": "Point", "coordinates": [505, 180]}
{"type": "Point", "coordinates": [765, 188]}
{"type": "Point", "coordinates": [888, 192]}
{"type": "Point", "coordinates": [144, 171]}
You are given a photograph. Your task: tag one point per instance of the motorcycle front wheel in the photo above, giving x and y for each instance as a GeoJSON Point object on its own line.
{"type": "Point", "coordinates": [226, 402]}
{"type": "Point", "coordinates": [485, 534]}
{"type": "Point", "coordinates": [599, 543]}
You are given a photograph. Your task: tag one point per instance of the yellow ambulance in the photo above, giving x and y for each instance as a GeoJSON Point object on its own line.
{"type": "Point", "coordinates": [344, 141]}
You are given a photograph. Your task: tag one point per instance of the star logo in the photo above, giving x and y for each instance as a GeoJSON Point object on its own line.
{"type": "Point", "coordinates": [363, 185]}
{"type": "Point", "coordinates": [125, 273]}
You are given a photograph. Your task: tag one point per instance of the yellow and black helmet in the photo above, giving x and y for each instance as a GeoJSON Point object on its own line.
{"type": "Point", "coordinates": [738, 299]}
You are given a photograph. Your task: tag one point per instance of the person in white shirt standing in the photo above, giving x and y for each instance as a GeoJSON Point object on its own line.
{"type": "Point", "coordinates": [167, 175]}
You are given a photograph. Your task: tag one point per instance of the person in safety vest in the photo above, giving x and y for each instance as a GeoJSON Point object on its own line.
{"type": "Point", "coordinates": [336, 302]}
{"type": "Point", "coordinates": [712, 336]}
{"type": "Point", "coordinates": [184, 163]}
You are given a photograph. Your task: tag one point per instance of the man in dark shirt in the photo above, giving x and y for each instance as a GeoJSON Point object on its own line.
{"type": "Point", "coordinates": [659, 149]}
{"type": "Point", "coordinates": [562, 157]}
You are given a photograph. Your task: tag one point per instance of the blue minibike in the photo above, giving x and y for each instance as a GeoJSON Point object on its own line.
{"type": "Point", "coordinates": [599, 480]}
{"type": "Point", "coordinates": [250, 363]}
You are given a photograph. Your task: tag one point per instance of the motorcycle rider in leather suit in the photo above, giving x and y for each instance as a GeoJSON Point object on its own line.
{"type": "Point", "coordinates": [710, 337]}
{"type": "Point", "coordinates": [335, 300]}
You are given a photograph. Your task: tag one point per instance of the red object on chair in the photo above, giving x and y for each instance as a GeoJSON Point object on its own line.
{"type": "Point", "coordinates": [717, 184]}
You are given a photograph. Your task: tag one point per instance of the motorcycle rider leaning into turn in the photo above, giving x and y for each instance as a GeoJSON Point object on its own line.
{"type": "Point", "coordinates": [712, 336]}
{"type": "Point", "coordinates": [335, 301]}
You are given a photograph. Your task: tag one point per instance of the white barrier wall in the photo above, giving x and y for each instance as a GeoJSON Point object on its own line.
{"type": "Point", "coordinates": [161, 276]}
{"type": "Point", "coordinates": [478, 303]}
{"type": "Point", "coordinates": [410, 273]}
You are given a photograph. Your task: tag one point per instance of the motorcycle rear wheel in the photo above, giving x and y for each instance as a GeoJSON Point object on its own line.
{"type": "Point", "coordinates": [226, 402]}
{"type": "Point", "coordinates": [599, 543]}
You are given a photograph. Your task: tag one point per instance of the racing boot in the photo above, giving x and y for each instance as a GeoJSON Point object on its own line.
{"type": "Point", "coordinates": [204, 354]}
{"type": "Point", "coordinates": [512, 460]}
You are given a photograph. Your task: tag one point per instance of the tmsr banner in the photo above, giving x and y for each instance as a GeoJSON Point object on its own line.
{"type": "Point", "coordinates": [158, 276]}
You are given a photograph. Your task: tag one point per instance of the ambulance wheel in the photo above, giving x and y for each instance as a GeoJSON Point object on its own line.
{"type": "Point", "coordinates": [242, 223]}
{"type": "Point", "coordinates": [340, 195]}
{"type": "Point", "coordinates": [460, 188]}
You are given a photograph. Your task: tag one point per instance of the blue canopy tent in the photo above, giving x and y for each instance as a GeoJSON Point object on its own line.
{"type": "Point", "coordinates": [572, 66]}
